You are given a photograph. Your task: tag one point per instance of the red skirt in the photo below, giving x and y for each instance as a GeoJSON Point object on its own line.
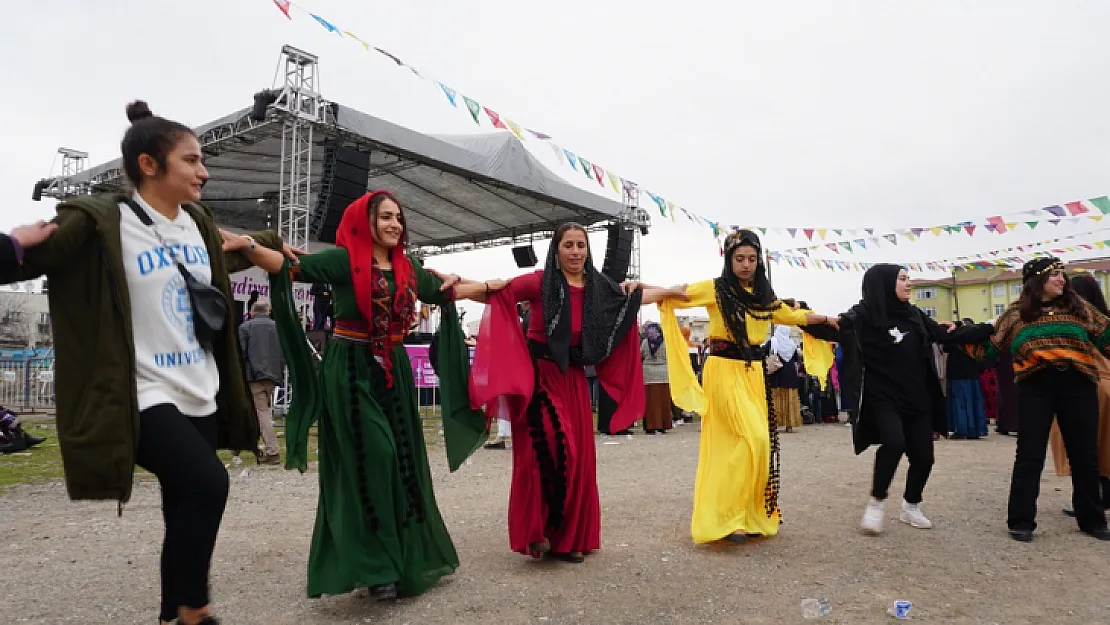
{"type": "Point", "coordinates": [554, 489]}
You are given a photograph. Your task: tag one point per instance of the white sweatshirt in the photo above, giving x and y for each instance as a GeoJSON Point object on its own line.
{"type": "Point", "coordinates": [171, 367]}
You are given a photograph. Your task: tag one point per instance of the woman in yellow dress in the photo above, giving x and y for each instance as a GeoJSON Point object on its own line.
{"type": "Point", "coordinates": [736, 490]}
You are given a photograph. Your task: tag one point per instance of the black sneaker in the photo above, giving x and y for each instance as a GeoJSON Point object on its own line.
{"type": "Point", "coordinates": [1101, 533]}
{"type": "Point", "coordinates": [384, 592]}
{"type": "Point", "coordinates": [1024, 536]}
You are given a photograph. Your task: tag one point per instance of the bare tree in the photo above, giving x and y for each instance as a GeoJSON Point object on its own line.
{"type": "Point", "coordinates": [15, 320]}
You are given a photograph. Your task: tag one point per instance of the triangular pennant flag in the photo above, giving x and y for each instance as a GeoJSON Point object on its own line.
{"type": "Point", "coordinates": [1055, 222]}
{"type": "Point", "coordinates": [936, 230]}
{"type": "Point", "coordinates": [474, 109]}
{"type": "Point", "coordinates": [1100, 244]}
{"type": "Point", "coordinates": [450, 93]}
{"type": "Point", "coordinates": [494, 118]}
{"type": "Point", "coordinates": [539, 135]}
{"type": "Point", "coordinates": [515, 128]}
{"type": "Point", "coordinates": [1032, 224]}
{"type": "Point", "coordinates": [326, 24]}
{"type": "Point", "coordinates": [599, 173]}
{"type": "Point", "coordinates": [970, 229]}
{"type": "Point", "coordinates": [1076, 208]}
{"type": "Point", "coordinates": [670, 210]}
{"type": "Point", "coordinates": [1055, 210]}
{"type": "Point", "coordinates": [822, 232]}
{"type": "Point", "coordinates": [793, 232]}
{"type": "Point", "coordinates": [1011, 225]}
{"type": "Point", "coordinates": [556, 149]}
{"type": "Point", "coordinates": [389, 56]}
{"type": "Point", "coordinates": [763, 231]}
{"type": "Point", "coordinates": [687, 213]}
{"type": "Point", "coordinates": [995, 224]}
{"type": "Point", "coordinates": [847, 246]}
{"type": "Point", "coordinates": [613, 181]}
{"type": "Point", "coordinates": [1097, 217]}
{"type": "Point", "coordinates": [870, 231]}
{"type": "Point", "coordinates": [587, 167]}
{"type": "Point", "coordinates": [351, 35]}
{"type": "Point", "coordinates": [838, 232]}
{"type": "Point", "coordinates": [917, 231]}
{"type": "Point", "coordinates": [892, 238]}
{"type": "Point", "coordinates": [832, 246]}
{"type": "Point", "coordinates": [1101, 203]}
{"type": "Point", "coordinates": [809, 233]}
{"type": "Point", "coordinates": [571, 158]}
{"type": "Point", "coordinates": [861, 243]}
{"type": "Point", "coordinates": [662, 204]}
{"type": "Point", "coordinates": [283, 6]}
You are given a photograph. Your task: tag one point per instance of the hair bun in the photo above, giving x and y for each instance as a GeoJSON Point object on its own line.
{"type": "Point", "coordinates": [138, 110]}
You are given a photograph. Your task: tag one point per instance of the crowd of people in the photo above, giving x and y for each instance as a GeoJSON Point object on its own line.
{"type": "Point", "coordinates": [172, 386]}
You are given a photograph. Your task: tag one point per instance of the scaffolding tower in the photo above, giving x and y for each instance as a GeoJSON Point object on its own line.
{"type": "Point", "coordinates": [637, 217]}
{"type": "Point", "coordinates": [300, 106]}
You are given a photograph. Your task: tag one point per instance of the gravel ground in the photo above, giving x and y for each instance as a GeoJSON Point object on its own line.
{"type": "Point", "coordinates": [65, 562]}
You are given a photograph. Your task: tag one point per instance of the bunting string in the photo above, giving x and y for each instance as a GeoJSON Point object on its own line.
{"type": "Point", "coordinates": [812, 238]}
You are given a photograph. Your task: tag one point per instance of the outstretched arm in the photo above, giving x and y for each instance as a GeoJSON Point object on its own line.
{"type": "Point", "coordinates": [655, 294]}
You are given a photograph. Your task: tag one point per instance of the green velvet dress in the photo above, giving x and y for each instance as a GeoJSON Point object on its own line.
{"type": "Point", "coordinates": [377, 521]}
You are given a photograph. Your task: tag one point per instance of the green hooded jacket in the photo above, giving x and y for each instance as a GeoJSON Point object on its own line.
{"type": "Point", "coordinates": [90, 309]}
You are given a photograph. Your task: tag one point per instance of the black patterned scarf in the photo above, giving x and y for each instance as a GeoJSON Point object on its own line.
{"type": "Point", "coordinates": [607, 317]}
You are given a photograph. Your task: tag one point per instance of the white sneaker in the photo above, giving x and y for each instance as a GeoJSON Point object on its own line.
{"type": "Point", "coordinates": [911, 514]}
{"type": "Point", "coordinates": [873, 517]}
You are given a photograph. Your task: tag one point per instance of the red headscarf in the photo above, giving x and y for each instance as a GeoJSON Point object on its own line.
{"type": "Point", "coordinates": [389, 315]}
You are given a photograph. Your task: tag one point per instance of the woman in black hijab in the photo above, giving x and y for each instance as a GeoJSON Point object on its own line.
{"type": "Point", "coordinates": [887, 345]}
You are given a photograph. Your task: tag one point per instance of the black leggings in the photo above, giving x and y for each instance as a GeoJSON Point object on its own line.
{"type": "Point", "coordinates": [902, 433]}
{"type": "Point", "coordinates": [1071, 399]}
{"type": "Point", "coordinates": [181, 452]}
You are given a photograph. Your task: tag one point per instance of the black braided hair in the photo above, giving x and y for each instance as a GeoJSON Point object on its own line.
{"type": "Point", "coordinates": [771, 490]}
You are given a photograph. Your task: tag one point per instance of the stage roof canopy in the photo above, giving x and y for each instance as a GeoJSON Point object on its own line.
{"type": "Point", "coordinates": [459, 191]}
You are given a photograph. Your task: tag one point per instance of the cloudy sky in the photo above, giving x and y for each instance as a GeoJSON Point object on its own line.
{"type": "Point", "coordinates": [809, 113]}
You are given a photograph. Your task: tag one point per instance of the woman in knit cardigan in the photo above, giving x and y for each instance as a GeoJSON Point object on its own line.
{"type": "Point", "coordinates": [1054, 336]}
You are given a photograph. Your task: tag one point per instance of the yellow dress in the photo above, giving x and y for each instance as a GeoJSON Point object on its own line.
{"type": "Point", "coordinates": [735, 453]}
{"type": "Point", "coordinates": [818, 356]}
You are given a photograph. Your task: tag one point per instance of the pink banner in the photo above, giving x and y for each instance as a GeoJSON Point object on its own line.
{"type": "Point", "coordinates": [422, 372]}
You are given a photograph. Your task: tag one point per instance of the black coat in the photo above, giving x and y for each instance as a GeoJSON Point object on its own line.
{"type": "Point", "coordinates": [853, 373]}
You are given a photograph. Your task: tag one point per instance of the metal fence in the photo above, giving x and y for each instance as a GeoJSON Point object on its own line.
{"type": "Point", "coordinates": [27, 385]}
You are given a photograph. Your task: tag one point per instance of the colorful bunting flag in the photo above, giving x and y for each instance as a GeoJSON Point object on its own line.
{"type": "Point", "coordinates": [283, 6]}
{"type": "Point", "coordinates": [494, 118]}
{"type": "Point", "coordinates": [450, 93]}
{"type": "Point", "coordinates": [474, 109]}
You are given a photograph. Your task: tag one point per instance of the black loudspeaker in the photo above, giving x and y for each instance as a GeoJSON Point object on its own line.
{"type": "Point", "coordinates": [348, 171]}
{"type": "Point", "coordinates": [525, 256]}
{"type": "Point", "coordinates": [618, 252]}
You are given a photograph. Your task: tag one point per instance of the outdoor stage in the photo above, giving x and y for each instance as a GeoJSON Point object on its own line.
{"type": "Point", "coordinates": [295, 160]}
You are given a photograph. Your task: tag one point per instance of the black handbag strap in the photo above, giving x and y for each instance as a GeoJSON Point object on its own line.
{"type": "Point", "coordinates": [148, 222]}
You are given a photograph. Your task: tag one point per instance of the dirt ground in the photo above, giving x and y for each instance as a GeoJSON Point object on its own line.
{"type": "Point", "coordinates": [64, 562]}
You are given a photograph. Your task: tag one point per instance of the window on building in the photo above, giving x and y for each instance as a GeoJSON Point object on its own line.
{"type": "Point", "coordinates": [44, 318]}
{"type": "Point", "coordinates": [931, 311]}
{"type": "Point", "coordinates": [1015, 290]}
{"type": "Point", "coordinates": [13, 316]}
{"type": "Point", "coordinates": [999, 290]}
{"type": "Point", "coordinates": [999, 309]}
{"type": "Point", "coordinates": [926, 292]}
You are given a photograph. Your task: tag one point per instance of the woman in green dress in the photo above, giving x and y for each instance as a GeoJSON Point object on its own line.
{"type": "Point", "coordinates": [377, 523]}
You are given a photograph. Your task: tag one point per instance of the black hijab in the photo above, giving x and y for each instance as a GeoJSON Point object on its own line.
{"type": "Point", "coordinates": [607, 317]}
{"type": "Point", "coordinates": [733, 300]}
{"type": "Point", "coordinates": [880, 305]}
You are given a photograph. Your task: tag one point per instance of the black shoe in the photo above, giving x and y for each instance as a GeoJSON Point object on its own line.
{"type": "Point", "coordinates": [573, 558]}
{"type": "Point", "coordinates": [1070, 511]}
{"type": "Point", "coordinates": [15, 444]}
{"type": "Point", "coordinates": [1024, 536]}
{"type": "Point", "coordinates": [737, 538]}
{"type": "Point", "coordinates": [384, 592]}
{"type": "Point", "coordinates": [495, 445]}
{"type": "Point", "coordinates": [1101, 533]}
{"type": "Point", "coordinates": [209, 620]}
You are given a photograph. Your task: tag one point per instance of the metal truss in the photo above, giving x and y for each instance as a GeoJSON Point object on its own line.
{"type": "Point", "coordinates": [213, 142]}
{"type": "Point", "coordinates": [633, 215]}
{"type": "Point", "coordinates": [300, 108]}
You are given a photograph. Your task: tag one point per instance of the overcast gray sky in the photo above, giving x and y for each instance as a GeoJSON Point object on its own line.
{"type": "Point", "coordinates": [839, 114]}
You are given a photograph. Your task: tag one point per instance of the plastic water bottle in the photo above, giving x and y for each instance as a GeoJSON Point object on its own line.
{"type": "Point", "coordinates": [815, 608]}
